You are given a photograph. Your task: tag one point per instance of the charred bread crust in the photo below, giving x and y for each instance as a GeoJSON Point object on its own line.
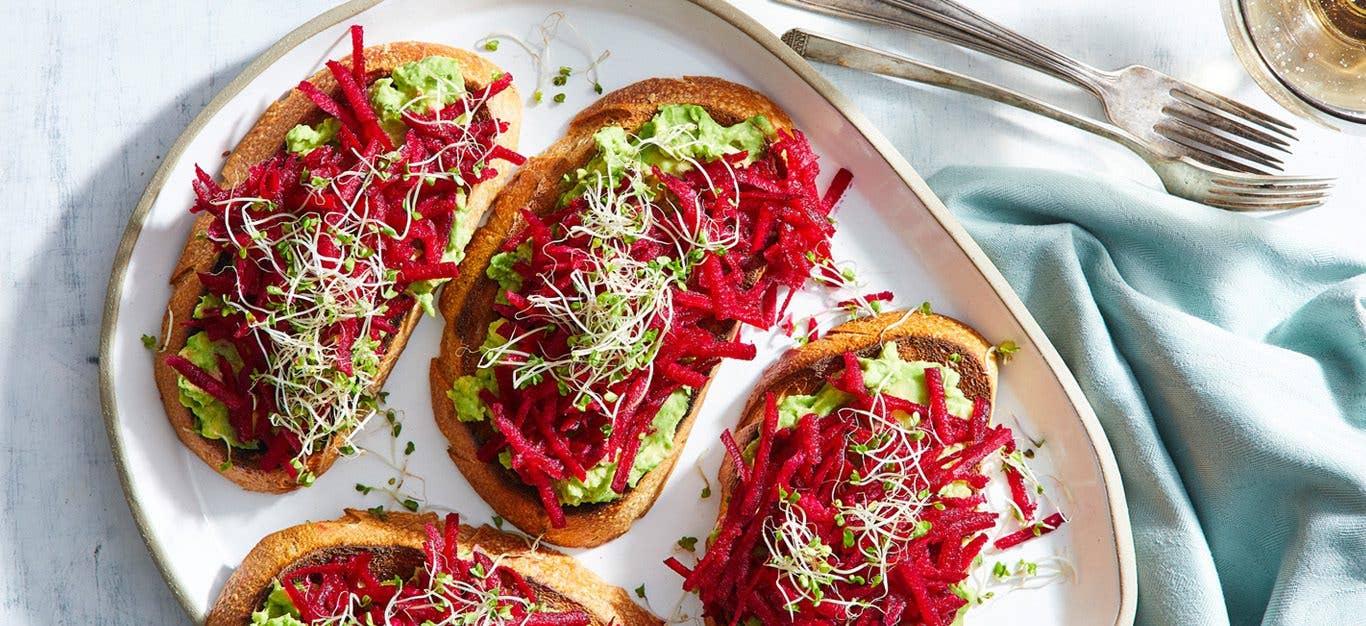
{"type": "Point", "coordinates": [260, 143]}
{"type": "Point", "coordinates": [396, 543]}
{"type": "Point", "coordinates": [466, 303]}
{"type": "Point", "coordinates": [918, 337]}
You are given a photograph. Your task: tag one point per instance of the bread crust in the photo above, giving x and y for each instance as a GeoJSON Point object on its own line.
{"type": "Point", "coordinates": [918, 337]}
{"type": "Point", "coordinates": [396, 541]}
{"type": "Point", "coordinates": [465, 302]}
{"type": "Point", "coordinates": [260, 143]}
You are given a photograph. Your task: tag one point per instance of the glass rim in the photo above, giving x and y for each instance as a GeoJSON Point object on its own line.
{"type": "Point", "coordinates": [1273, 83]}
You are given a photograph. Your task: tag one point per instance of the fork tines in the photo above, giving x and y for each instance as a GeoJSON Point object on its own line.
{"type": "Point", "coordinates": [1224, 133]}
{"type": "Point", "coordinates": [1273, 194]}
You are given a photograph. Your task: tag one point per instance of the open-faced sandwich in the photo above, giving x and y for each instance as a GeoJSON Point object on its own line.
{"type": "Point", "coordinates": [404, 569]}
{"type": "Point", "coordinates": [338, 214]}
{"type": "Point", "coordinates": [854, 485]}
{"type": "Point", "coordinates": [610, 280]}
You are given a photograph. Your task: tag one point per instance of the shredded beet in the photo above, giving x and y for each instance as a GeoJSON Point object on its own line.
{"type": "Point", "coordinates": [779, 222]}
{"type": "Point", "coordinates": [447, 587]}
{"type": "Point", "coordinates": [838, 186]}
{"type": "Point", "coordinates": [403, 204]}
{"type": "Point", "coordinates": [1048, 525]}
{"type": "Point", "coordinates": [202, 379]}
{"type": "Point", "coordinates": [840, 519]}
{"type": "Point", "coordinates": [879, 296]}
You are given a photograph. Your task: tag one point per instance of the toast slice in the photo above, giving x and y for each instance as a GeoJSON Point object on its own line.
{"type": "Point", "coordinates": [806, 370]}
{"type": "Point", "coordinates": [396, 546]}
{"type": "Point", "coordinates": [260, 143]}
{"type": "Point", "coordinates": [466, 303]}
{"type": "Point", "coordinates": [918, 337]}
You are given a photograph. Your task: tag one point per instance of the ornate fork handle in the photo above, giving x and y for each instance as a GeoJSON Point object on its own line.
{"type": "Point", "coordinates": [957, 24]}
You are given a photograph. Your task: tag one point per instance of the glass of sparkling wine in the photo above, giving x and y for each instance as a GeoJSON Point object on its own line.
{"type": "Point", "coordinates": [1310, 55]}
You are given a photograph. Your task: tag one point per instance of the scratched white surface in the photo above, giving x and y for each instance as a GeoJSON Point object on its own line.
{"type": "Point", "coordinates": [95, 92]}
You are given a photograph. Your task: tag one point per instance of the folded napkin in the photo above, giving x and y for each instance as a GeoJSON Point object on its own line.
{"type": "Point", "coordinates": [1226, 359]}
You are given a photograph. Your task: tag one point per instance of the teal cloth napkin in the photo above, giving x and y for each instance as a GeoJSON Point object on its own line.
{"type": "Point", "coordinates": [1226, 359]}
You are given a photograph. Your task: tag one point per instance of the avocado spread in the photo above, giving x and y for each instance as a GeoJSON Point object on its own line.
{"type": "Point", "coordinates": [420, 86]}
{"type": "Point", "coordinates": [887, 373]}
{"type": "Point", "coordinates": [678, 136]}
{"type": "Point", "coordinates": [211, 415]}
{"type": "Point", "coordinates": [303, 139]}
{"type": "Point", "coordinates": [278, 611]}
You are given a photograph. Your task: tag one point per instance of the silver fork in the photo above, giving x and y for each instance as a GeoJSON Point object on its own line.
{"type": "Point", "coordinates": [1174, 117]}
{"type": "Point", "coordinates": [1181, 175]}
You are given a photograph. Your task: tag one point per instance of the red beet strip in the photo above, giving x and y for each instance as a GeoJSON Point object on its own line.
{"type": "Point", "coordinates": [1039, 529]}
{"type": "Point", "coordinates": [838, 185]}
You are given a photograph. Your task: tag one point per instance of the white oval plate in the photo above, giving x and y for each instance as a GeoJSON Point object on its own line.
{"type": "Point", "coordinates": [198, 525]}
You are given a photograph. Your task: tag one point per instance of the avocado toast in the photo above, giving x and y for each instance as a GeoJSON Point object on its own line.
{"type": "Point", "coordinates": [339, 213]}
{"type": "Point", "coordinates": [403, 568]}
{"type": "Point", "coordinates": [854, 490]}
{"type": "Point", "coordinates": [611, 278]}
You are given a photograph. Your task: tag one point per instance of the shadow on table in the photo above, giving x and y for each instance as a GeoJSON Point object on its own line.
{"type": "Point", "coordinates": [80, 559]}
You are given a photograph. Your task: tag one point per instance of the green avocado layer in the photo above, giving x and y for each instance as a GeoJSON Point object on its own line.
{"type": "Point", "coordinates": [279, 610]}
{"type": "Point", "coordinates": [886, 373]}
{"type": "Point", "coordinates": [211, 415]}
{"type": "Point", "coordinates": [676, 137]}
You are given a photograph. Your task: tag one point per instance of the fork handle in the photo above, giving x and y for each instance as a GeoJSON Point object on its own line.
{"type": "Point", "coordinates": [817, 47]}
{"type": "Point", "coordinates": [952, 22]}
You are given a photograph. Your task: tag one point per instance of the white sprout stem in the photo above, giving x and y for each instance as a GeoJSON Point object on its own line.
{"type": "Point", "coordinates": [548, 32]}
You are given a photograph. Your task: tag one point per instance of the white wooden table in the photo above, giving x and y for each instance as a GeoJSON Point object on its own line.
{"type": "Point", "coordinates": [95, 92]}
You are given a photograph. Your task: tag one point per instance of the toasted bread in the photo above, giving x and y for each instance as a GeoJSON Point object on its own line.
{"type": "Point", "coordinates": [919, 337]}
{"type": "Point", "coordinates": [467, 299]}
{"type": "Point", "coordinates": [260, 143]}
{"type": "Point", "coordinates": [396, 545]}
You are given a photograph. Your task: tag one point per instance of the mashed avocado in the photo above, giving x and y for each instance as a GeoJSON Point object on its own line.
{"type": "Point", "coordinates": [278, 611]}
{"type": "Point", "coordinates": [500, 270]}
{"type": "Point", "coordinates": [303, 138]}
{"type": "Point", "coordinates": [677, 135]}
{"type": "Point", "coordinates": [461, 230]}
{"type": "Point", "coordinates": [682, 132]}
{"type": "Point", "coordinates": [465, 391]}
{"type": "Point", "coordinates": [211, 416]}
{"type": "Point", "coordinates": [421, 86]}
{"type": "Point", "coordinates": [887, 373]}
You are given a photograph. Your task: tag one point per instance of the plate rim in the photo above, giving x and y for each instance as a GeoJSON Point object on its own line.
{"type": "Point", "coordinates": [1109, 468]}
